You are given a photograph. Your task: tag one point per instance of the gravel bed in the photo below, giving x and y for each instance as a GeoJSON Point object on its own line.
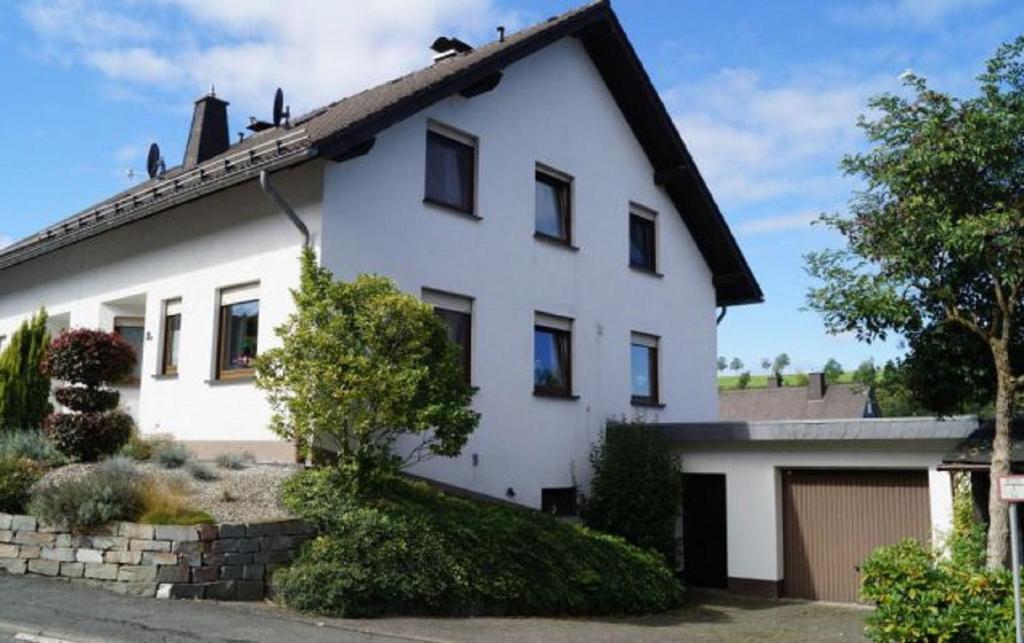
{"type": "Point", "coordinates": [236, 496]}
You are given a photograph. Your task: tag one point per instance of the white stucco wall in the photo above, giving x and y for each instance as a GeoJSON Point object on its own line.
{"type": "Point", "coordinates": [753, 489]}
{"type": "Point", "coordinates": [230, 238]}
{"type": "Point", "coordinates": [552, 108]}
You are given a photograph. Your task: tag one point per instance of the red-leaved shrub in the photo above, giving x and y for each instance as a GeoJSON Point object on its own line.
{"type": "Point", "coordinates": [89, 357]}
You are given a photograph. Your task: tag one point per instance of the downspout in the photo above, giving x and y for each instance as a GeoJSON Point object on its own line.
{"type": "Point", "coordinates": [278, 200]}
{"type": "Point", "coordinates": [721, 315]}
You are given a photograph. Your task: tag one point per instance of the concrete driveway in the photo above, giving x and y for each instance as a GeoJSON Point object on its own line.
{"type": "Point", "coordinates": [32, 609]}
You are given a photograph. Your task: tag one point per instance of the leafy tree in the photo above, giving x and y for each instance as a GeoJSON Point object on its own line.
{"type": "Point", "coordinates": [779, 364]}
{"type": "Point", "coordinates": [736, 365]}
{"type": "Point", "coordinates": [866, 373]}
{"type": "Point", "coordinates": [24, 388]}
{"type": "Point", "coordinates": [744, 380]}
{"type": "Point", "coordinates": [936, 236]}
{"type": "Point", "coordinates": [766, 364]}
{"type": "Point", "coordinates": [361, 364]}
{"type": "Point", "coordinates": [722, 364]}
{"type": "Point", "coordinates": [833, 370]}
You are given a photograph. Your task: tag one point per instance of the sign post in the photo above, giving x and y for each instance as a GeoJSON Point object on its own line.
{"type": "Point", "coordinates": [1011, 491]}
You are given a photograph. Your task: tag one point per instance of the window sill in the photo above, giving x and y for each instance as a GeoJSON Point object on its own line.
{"type": "Point", "coordinates": [645, 270]}
{"type": "Point", "coordinates": [554, 395]}
{"type": "Point", "coordinates": [230, 381]}
{"type": "Point", "coordinates": [451, 209]}
{"type": "Point", "coordinates": [650, 404]}
{"type": "Point", "coordinates": [164, 376]}
{"type": "Point", "coordinates": [555, 241]}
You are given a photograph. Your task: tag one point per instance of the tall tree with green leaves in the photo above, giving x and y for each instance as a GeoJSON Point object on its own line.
{"type": "Point", "coordinates": [935, 238]}
{"type": "Point", "coordinates": [24, 389]}
{"type": "Point", "coordinates": [722, 364]}
{"type": "Point", "coordinates": [736, 365]}
{"type": "Point", "coordinates": [832, 370]}
{"type": "Point", "coordinates": [362, 364]}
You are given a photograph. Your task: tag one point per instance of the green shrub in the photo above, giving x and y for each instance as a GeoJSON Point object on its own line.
{"type": "Point", "coordinates": [233, 461]}
{"type": "Point", "coordinates": [24, 387]}
{"type": "Point", "coordinates": [408, 549]}
{"type": "Point", "coordinates": [636, 488]}
{"type": "Point", "coordinates": [919, 597]}
{"type": "Point", "coordinates": [171, 455]}
{"type": "Point", "coordinates": [31, 445]}
{"type": "Point", "coordinates": [111, 491]}
{"type": "Point", "coordinates": [17, 475]}
{"type": "Point", "coordinates": [90, 436]}
{"type": "Point", "coordinates": [141, 447]}
{"type": "Point", "coordinates": [201, 471]}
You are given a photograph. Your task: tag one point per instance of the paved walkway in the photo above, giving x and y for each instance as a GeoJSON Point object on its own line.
{"type": "Point", "coordinates": [34, 608]}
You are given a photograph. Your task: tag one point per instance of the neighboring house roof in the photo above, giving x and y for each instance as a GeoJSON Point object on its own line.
{"type": "Point", "coordinates": [796, 403]}
{"type": "Point", "coordinates": [975, 451]}
{"type": "Point", "coordinates": [348, 126]}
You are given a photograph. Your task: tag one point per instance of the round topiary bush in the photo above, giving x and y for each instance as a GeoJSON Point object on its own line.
{"type": "Point", "coordinates": [17, 475]}
{"type": "Point", "coordinates": [89, 436]}
{"type": "Point", "coordinates": [88, 360]}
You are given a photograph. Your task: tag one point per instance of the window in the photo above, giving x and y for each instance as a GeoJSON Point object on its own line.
{"type": "Point", "coordinates": [457, 313]}
{"type": "Point", "coordinates": [553, 201]}
{"type": "Point", "coordinates": [643, 352]}
{"type": "Point", "coordinates": [642, 239]}
{"type": "Point", "coordinates": [559, 501]}
{"type": "Point", "coordinates": [239, 326]}
{"type": "Point", "coordinates": [552, 356]}
{"type": "Point", "coordinates": [172, 337]}
{"type": "Point", "coordinates": [132, 330]}
{"type": "Point", "coordinates": [451, 169]}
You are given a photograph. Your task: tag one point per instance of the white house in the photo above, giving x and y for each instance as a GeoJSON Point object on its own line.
{"type": "Point", "coordinates": [534, 189]}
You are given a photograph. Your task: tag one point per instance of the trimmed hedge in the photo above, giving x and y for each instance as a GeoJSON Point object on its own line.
{"type": "Point", "coordinates": [408, 549]}
{"type": "Point", "coordinates": [89, 436]}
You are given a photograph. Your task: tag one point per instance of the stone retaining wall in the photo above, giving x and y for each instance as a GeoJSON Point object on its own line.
{"type": "Point", "coordinates": [222, 562]}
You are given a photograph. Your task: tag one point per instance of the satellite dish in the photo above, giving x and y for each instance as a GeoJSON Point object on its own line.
{"type": "Point", "coordinates": [154, 162]}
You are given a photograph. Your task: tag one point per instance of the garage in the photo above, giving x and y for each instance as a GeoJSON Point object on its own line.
{"type": "Point", "coordinates": [832, 519]}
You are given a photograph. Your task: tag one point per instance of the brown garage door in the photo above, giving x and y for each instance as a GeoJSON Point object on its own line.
{"type": "Point", "coordinates": [832, 519]}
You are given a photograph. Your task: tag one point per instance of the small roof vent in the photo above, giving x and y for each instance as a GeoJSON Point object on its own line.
{"type": "Point", "coordinates": [448, 46]}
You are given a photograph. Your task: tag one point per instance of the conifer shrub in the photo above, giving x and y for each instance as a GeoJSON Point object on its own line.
{"type": "Point", "coordinates": [24, 386]}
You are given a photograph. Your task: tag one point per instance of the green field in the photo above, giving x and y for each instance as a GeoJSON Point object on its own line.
{"type": "Point", "coordinates": [729, 382]}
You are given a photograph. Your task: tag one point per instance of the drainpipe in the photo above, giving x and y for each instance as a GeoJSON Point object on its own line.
{"type": "Point", "coordinates": [721, 315]}
{"type": "Point", "coordinates": [278, 200]}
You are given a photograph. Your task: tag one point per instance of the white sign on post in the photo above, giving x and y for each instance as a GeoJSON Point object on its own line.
{"type": "Point", "coordinates": [1011, 491]}
{"type": "Point", "coordinates": [1011, 488]}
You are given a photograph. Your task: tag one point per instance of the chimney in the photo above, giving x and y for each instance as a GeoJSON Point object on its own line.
{"type": "Point", "coordinates": [208, 136]}
{"type": "Point", "coordinates": [816, 386]}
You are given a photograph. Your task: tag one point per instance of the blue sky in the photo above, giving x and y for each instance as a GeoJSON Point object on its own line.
{"type": "Point", "coordinates": [765, 94]}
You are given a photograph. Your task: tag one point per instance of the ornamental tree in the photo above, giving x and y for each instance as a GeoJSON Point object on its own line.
{"type": "Point", "coordinates": [832, 370]}
{"type": "Point", "coordinates": [935, 238]}
{"type": "Point", "coordinates": [89, 361]}
{"type": "Point", "coordinates": [24, 388]}
{"type": "Point", "coordinates": [360, 365]}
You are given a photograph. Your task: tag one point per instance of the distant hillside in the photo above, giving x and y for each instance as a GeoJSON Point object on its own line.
{"type": "Point", "coordinates": [730, 382]}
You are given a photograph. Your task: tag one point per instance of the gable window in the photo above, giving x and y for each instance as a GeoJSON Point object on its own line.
{"type": "Point", "coordinates": [172, 337]}
{"type": "Point", "coordinates": [451, 170]}
{"type": "Point", "coordinates": [643, 354]}
{"type": "Point", "coordinates": [553, 202]}
{"type": "Point", "coordinates": [456, 312]}
{"type": "Point", "coordinates": [132, 330]}
{"type": "Point", "coordinates": [238, 331]}
{"type": "Point", "coordinates": [643, 239]}
{"type": "Point", "coordinates": [552, 356]}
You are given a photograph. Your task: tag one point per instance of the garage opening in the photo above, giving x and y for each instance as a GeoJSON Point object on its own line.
{"type": "Point", "coordinates": [704, 543]}
{"type": "Point", "coordinates": [832, 519]}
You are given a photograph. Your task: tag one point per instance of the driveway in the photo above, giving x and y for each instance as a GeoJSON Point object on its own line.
{"type": "Point", "coordinates": [32, 609]}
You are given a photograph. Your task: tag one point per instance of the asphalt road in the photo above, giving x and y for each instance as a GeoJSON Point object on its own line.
{"type": "Point", "coordinates": [39, 610]}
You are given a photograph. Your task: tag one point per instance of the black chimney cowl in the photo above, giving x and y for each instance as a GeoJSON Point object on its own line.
{"type": "Point", "coordinates": [209, 134]}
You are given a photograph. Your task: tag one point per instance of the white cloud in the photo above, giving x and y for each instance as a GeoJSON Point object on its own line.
{"type": "Point", "coordinates": [780, 223]}
{"type": "Point", "coordinates": [317, 51]}
{"type": "Point", "coordinates": [5, 240]}
{"type": "Point", "coordinates": [904, 13]}
{"type": "Point", "coordinates": [756, 140]}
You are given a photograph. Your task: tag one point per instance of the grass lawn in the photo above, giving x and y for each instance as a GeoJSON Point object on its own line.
{"type": "Point", "coordinates": [730, 382]}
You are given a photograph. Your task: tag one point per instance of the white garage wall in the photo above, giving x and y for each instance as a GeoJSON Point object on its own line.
{"type": "Point", "coordinates": [753, 490]}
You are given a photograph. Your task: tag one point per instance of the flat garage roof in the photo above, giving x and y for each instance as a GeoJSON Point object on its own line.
{"type": "Point", "coordinates": [860, 429]}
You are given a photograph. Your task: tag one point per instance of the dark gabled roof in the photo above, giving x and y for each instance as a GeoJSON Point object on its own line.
{"type": "Point", "coordinates": [841, 401]}
{"type": "Point", "coordinates": [339, 129]}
